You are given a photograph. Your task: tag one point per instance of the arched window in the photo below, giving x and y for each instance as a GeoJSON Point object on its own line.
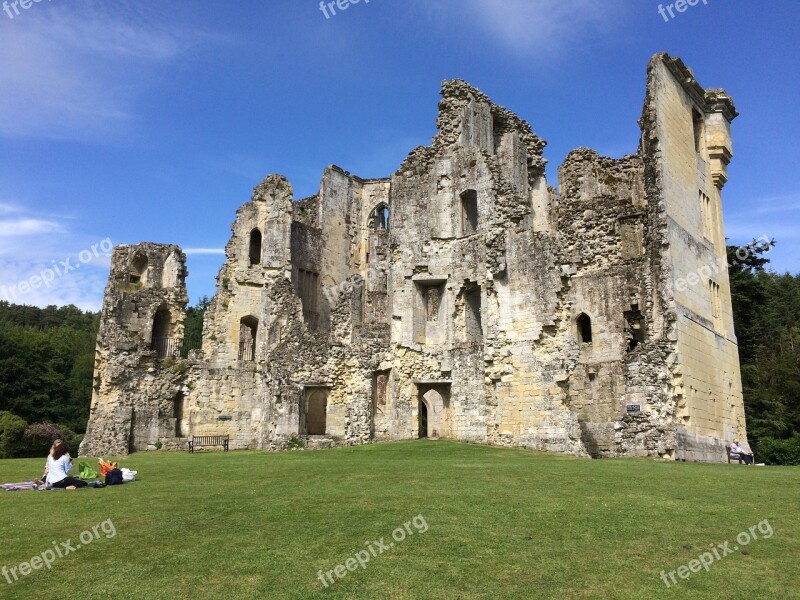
{"type": "Point", "coordinates": [255, 247]}
{"type": "Point", "coordinates": [469, 212]}
{"type": "Point", "coordinates": [162, 327]}
{"type": "Point", "coordinates": [584, 324]}
{"type": "Point", "coordinates": [248, 329]}
{"type": "Point", "coordinates": [379, 218]}
{"type": "Point", "coordinates": [138, 270]}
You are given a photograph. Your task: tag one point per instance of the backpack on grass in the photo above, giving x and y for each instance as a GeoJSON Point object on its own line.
{"type": "Point", "coordinates": [114, 477]}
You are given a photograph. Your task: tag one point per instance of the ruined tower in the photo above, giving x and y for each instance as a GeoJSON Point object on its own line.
{"type": "Point", "coordinates": [138, 378]}
{"type": "Point", "coordinates": [460, 298]}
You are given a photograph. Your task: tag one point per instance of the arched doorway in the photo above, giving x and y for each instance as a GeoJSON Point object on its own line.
{"type": "Point", "coordinates": [423, 419]}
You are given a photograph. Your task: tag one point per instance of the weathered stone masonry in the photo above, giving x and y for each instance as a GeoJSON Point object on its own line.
{"type": "Point", "coordinates": [461, 298]}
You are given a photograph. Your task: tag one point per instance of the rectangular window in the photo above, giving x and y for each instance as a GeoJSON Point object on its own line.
{"type": "Point", "coordinates": [716, 306]}
{"type": "Point", "coordinates": [708, 215]}
{"type": "Point", "coordinates": [699, 133]}
{"type": "Point", "coordinates": [469, 212]}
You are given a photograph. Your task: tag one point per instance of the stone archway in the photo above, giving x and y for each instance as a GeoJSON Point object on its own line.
{"type": "Point", "coordinates": [434, 406]}
{"type": "Point", "coordinates": [423, 419]}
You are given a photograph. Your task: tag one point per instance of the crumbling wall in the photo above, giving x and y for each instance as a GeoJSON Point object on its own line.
{"type": "Point", "coordinates": [460, 298]}
{"type": "Point", "coordinates": [137, 376]}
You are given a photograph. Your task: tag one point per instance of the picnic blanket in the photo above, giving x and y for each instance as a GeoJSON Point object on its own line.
{"type": "Point", "coordinates": [22, 485]}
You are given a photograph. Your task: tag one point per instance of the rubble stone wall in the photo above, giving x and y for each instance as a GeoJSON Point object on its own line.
{"type": "Point", "coordinates": [462, 297]}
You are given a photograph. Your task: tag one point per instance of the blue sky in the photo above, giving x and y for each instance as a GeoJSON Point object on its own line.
{"type": "Point", "coordinates": [152, 121]}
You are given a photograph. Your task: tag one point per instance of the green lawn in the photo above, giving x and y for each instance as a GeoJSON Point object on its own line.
{"type": "Point", "coordinates": [500, 524]}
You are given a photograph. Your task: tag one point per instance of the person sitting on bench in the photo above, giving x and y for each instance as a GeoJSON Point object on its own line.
{"type": "Point", "coordinates": [737, 449]}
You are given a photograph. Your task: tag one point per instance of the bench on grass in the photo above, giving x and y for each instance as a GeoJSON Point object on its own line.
{"type": "Point", "coordinates": [733, 455]}
{"type": "Point", "coordinates": [209, 440]}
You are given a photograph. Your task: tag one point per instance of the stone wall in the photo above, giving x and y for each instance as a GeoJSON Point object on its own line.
{"type": "Point", "coordinates": [462, 297]}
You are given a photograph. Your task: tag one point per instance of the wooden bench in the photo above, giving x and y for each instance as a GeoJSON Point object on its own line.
{"type": "Point", "coordinates": [735, 456]}
{"type": "Point", "coordinates": [209, 440]}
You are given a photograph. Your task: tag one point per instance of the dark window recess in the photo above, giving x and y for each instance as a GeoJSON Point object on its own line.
{"type": "Point", "coordinates": [635, 332]}
{"type": "Point", "coordinates": [697, 124]}
{"type": "Point", "coordinates": [584, 324]}
{"type": "Point", "coordinates": [469, 212]}
{"type": "Point", "coordinates": [255, 247]}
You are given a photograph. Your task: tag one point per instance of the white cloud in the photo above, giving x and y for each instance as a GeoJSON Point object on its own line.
{"type": "Point", "coordinates": [7, 208]}
{"type": "Point", "coordinates": [26, 227]}
{"type": "Point", "coordinates": [777, 204]}
{"type": "Point", "coordinates": [74, 71]}
{"type": "Point", "coordinates": [43, 262]}
{"type": "Point", "coordinates": [538, 29]}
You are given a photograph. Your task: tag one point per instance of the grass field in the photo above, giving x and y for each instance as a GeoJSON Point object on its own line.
{"type": "Point", "coordinates": [491, 523]}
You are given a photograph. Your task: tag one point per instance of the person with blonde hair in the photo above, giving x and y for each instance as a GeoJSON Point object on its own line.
{"type": "Point", "coordinates": [59, 464]}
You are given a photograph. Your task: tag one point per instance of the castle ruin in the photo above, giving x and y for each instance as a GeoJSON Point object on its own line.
{"type": "Point", "coordinates": [460, 298]}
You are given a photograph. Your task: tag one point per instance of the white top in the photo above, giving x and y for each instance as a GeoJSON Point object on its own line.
{"type": "Point", "coordinates": [737, 448]}
{"type": "Point", "coordinates": [58, 469]}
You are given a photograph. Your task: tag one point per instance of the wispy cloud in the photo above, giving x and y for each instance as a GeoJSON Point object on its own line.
{"type": "Point", "coordinates": [43, 261]}
{"type": "Point", "coordinates": [777, 204]}
{"type": "Point", "coordinates": [8, 209]}
{"type": "Point", "coordinates": [27, 227]}
{"type": "Point", "coordinates": [75, 71]}
{"type": "Point", "coordinates": [539, 29]}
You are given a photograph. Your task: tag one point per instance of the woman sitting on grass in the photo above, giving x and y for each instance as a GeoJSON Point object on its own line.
{"type": "Point", "coordinates": [59, 464]}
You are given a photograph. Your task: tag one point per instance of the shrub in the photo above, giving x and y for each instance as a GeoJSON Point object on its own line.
{"type": "Point", "coordinates": [40, 436]}
{"type": "Point", "coordinates": [779, 452]}
{"type": "Point", "coordinates": [73, 439]}
{"type": "Point", "coordinates": [295, 442]}
{"type": "Point", "coordinates": [12, 430]}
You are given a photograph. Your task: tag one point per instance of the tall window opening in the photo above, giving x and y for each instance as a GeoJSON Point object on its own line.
{"type": "Point", "coordinates": [716, 306]}
{"type": "Point", "coordinates": [248, 330]}
{"type": "Point", "coordinates": [697, 123]}
{"type": "Point", "coordinates": [179, 398]}
{"type": "Point", "coordinates": [379, 219]}
{"type": "Point", "coordinates": [160, 340]}
{"type": "Point", "coordinates": [634, 327]}
{"type": "Point", "coordinates": [469, 212]}
{"type": "Point", "coordinates": [584, 324]}
{"type": "Point", "coordinates": [255, 247]}
{"type": "Point", "coordinates": [707, 210]}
